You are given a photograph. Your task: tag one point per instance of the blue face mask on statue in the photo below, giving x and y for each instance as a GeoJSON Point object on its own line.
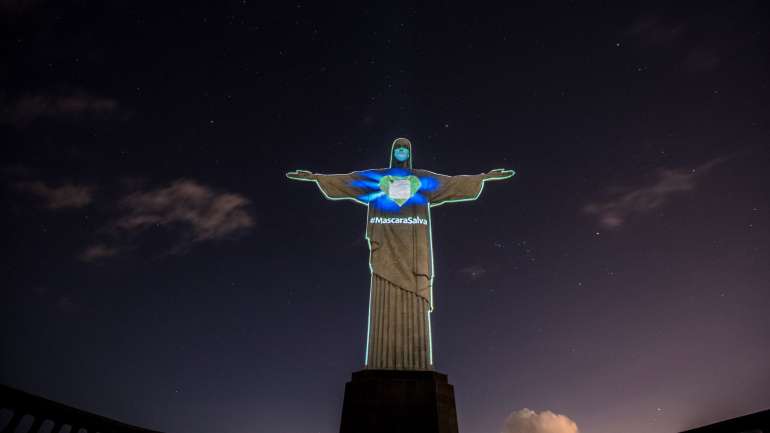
{"type": "Point", "coordinates": [401, 154]}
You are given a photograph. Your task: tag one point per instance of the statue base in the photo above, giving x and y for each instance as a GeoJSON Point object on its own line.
{"type": "Point", "coordinates": [405, 401]}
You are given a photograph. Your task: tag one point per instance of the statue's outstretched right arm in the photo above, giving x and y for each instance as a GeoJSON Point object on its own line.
{"type": "Point", "coordinates": [332, 186]}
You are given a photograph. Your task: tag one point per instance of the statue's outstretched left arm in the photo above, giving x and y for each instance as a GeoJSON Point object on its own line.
{"type": "Point", "coordinates": [464, 187]}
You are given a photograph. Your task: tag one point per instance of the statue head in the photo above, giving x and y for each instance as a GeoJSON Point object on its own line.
{"type": "Point", "coordinates": [401, 153]}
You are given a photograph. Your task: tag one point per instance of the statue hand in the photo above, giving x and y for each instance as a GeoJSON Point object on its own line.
{"type": "Point", "coordinates": [300, 175]}
{"type": "Point", "coordinates": [499, 173]}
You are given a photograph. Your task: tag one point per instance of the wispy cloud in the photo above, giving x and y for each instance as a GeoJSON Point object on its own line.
{"type": "Point", "coordinates": [528, 421]}
{"type": "Point", "coordinates": [186, 211]}
{"type": "Point", "coordinates": [615, 210]}
{"type": "Point", "coordinates": [473, 272]}
{"type": "Point", "coordinates": [96, 252]}
{"type": "Point", "coordinates": [699, 44]}
{"type": "Point", "coordinates": [652, 29]}
{"type": "Point", "coordinates": [58, 197]}
{"type": "Point", "coordinates": [32, 107]}
{"type": "Point", "coordinates": [66, 304]}
{"type": "Point", "coordinates": [16, 171]}
{"type": "Point", "coordinates": [15, 8]}
{"type": "Point", "coordinates": [63, 300]}
{"type": "Point", "coordinates": [197, 212]}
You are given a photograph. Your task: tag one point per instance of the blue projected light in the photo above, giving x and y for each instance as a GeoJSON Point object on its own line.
{"type": "Point", "coordinates": [376, 183]}
{"type": "Point", "coordinates": [428, 184]}
{"type": "Point", "coordinates": [371, 196]}
{"type": "Point", "coordinates": [366, 184]}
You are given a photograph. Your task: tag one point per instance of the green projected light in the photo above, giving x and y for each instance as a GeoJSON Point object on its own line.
{"type": "Point", "coordinates": [399, 188]}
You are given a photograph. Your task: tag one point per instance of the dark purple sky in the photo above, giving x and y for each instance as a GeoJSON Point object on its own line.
{"type": "Point", "coordinates": [159, 268]}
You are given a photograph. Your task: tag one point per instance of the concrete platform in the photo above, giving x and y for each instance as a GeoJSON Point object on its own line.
{"type": "Point", "coordinates": [380, 401]}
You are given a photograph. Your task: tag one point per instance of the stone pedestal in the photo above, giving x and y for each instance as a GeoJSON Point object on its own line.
{"type": "Point", "coordinates": [398, 401]}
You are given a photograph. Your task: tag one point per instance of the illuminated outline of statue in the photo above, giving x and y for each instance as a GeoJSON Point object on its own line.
{"type": "Point", "coordinates": [398, 231]}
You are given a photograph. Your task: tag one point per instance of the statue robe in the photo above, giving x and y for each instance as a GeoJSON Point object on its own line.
{"type": "Point", "coordinates": [400, 258]}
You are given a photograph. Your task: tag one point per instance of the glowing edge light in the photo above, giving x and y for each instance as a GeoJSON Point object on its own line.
{"type": "Point", "coordinates": [430, 242]}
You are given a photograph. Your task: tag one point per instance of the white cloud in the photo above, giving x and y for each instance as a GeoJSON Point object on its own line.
{"type": "Point", "coordinates": [31, 107]}
{"type": "Point", "coordinates": [199, 212]}
{"type": "Point", "coordinates": [97, 251]}
{"type": "Point", "coordinates": [528, 421]}
{"type": "Point", "coordinates": [473, 272]}
{"type": "Point", "coordinates": [616, 209]}
{"type": "Point", "coordinates": [64, 196]}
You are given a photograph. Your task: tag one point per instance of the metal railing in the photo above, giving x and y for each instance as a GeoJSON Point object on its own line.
{"type": "Point", "coordinates": [41, 410]}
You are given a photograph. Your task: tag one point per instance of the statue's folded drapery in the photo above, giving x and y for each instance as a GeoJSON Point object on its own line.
{"type": "Point", "coordinates": [401, 252]}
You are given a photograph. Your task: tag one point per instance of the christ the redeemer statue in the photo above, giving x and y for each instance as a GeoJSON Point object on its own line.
{"type": "Point", "coordinates": [398, 231]}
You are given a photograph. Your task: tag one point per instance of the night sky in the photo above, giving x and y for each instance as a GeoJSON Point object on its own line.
{"type": "Point", "coordinates": [159, 268]}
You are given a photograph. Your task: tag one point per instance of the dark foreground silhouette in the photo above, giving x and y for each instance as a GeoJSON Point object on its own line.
{"type": "Point", "coordinates": [755, 423]}
{"type": "Point", "coordinates": [41, 410]}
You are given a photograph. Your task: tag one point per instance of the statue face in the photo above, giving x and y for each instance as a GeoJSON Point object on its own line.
{"type": "Point", "coordinates": [401, 154]}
